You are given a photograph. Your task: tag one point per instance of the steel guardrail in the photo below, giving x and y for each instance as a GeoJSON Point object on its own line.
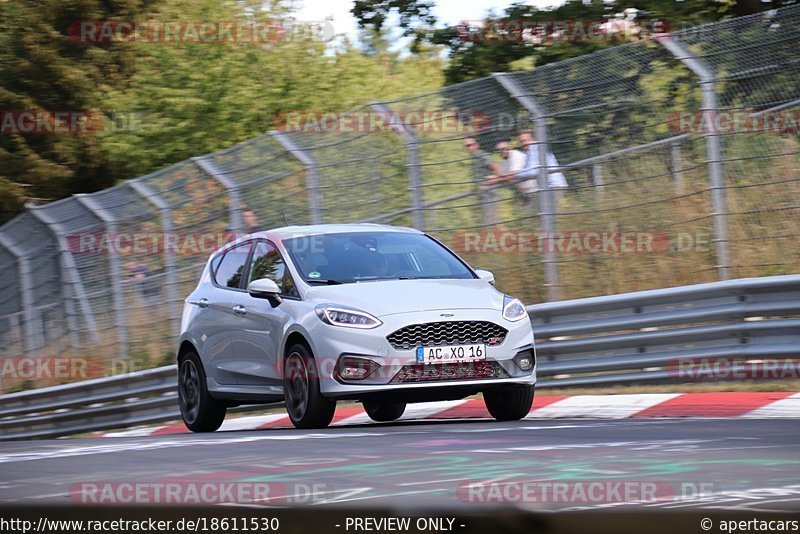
{"type": "Point", "coordinates": [655, 336]}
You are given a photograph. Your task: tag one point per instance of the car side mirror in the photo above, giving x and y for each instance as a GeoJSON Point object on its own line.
{"type": "Point", "coordinates": [264, 288]}
{"type": "Point", "coordinates": [485, 275]}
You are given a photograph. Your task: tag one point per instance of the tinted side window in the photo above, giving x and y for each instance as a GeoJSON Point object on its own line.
{"type": "Point", "coordinates": [266, 263]}
{"type": "Point", "coordinates": [231, 268]}
{"type": "Point", "coordinates": [289, 288]}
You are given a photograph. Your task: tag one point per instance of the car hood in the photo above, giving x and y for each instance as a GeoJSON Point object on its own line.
{"type": "Point", "coordinates": [388, 297]}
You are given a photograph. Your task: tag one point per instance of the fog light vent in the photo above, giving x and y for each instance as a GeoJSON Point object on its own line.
{"type": "Point", "coordinates": [525, 359]}
{"type": "Point", "coordinates": [354, 368]}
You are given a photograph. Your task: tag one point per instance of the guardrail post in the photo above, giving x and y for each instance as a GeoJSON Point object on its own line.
{"type": "Point", "coordinates": [312, 176]}
{"type": "Point", "coordinates": [547, 208]}
{"type": "Point", "coordinates": [69, 270]}
{"type": "Point", "coordinates": [413, 163]}
{"type": "Point", "coordinates": [151, 196]}
{"type": "Point", "coordinates": [235, 207]}
{"type": "Point", "coordinates": [110, 224]}
{"type": "Point", "coordinates": [716, 177]}
{"type": "Point", "coordinates": [31, 341]}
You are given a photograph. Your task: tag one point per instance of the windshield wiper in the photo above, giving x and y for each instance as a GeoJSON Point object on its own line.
{"type": "Point", "coordinates": [323, 281]}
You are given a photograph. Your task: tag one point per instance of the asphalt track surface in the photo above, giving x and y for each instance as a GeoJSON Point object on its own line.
{"type": "Point", "coordinates": [713, 464]}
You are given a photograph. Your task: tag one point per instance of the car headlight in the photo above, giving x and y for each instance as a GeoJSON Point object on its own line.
{"type": "Point", "coordinates": [348, 317]}
{"type": "Point", "coordinates": [513, 309]}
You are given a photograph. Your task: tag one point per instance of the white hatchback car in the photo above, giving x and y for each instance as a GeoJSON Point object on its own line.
{"type": "Point", "coordinates": [379, 314]}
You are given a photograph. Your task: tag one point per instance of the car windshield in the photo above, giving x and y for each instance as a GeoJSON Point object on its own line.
{"type": "Point", "coordinates": [363, 256]}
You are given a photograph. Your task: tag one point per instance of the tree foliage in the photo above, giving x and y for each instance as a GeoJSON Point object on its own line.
{"type": "Point", "coordinates": [170, 100]}
{"type": "Point", "coordinates": [473, 58]}
{"type": "Point", "coordinates": [42, 69]}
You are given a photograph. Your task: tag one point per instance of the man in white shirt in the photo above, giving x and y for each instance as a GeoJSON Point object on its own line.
{"type": "Point", "coordinates": [556, 180]}
{"type": "Point", "coordinates": [513, 162]}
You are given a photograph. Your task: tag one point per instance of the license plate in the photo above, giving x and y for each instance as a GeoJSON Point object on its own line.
{"type": "Point", "coordinates": [449, 354]}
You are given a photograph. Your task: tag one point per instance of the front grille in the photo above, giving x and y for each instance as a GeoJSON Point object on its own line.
{"type": "Point", "coordinates": [447, 333]}
{"type": "Point", "coordinates": [449, 371]}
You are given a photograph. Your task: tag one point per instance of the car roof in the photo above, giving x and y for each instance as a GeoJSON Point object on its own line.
{"type": "Point", "coordinates": [288, 232]}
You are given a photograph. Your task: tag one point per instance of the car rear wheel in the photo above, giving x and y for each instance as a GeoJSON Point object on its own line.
{"type": "Point", "coordinates": [305, 404]}
{"type": "Point", "coordinates": [199, 411]}
{"type": "Point", "coordinates": [509, 403]}
{"type": "Point", "coordinates": [384, 411]}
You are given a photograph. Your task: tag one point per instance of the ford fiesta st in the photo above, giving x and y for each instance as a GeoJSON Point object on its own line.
{"type": "Point", "coordinates": [378, 314]}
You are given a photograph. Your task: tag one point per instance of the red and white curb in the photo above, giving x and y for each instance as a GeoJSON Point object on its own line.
{"type": "Point", "coordinates": [751, 405]}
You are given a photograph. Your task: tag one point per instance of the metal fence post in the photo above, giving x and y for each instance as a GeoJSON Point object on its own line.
{"type": "Point", "coordinates": [708, 87]}
{"type": "Point", "coordinates": [312, 176]}
{"type": "Point", "coordinates": [676, 166]}
{"type": "Point", "coordinates": [235, 208]}
{"type": "Point", "coordinates": [413, 163]}
{"type": "Point", "coordinates": [110, 224]}
{"type": "Point", "coordinates": [597, 178]}
{"type": "Point", "coordinates": [547, 210]}
{"type": "Point", "coordinates": [26, 294]}
{"type": "Point", "coordinates": [150, 195]}
{"type": "Point", "coordinates": [69, 270]}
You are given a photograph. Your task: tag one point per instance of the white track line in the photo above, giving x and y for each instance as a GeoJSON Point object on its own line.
{"type": "Point", "coordinates": [788, 407]}
{"type": "Point", "coordinates": [601, 406]}
{"type": "Point", "coordinates": [251, 421]}
{"type": "Point", "coordinates": [136, 432]}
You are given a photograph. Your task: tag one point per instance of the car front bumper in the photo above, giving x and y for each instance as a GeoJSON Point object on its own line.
{"type": "Point", "coordinates": [330, 343]}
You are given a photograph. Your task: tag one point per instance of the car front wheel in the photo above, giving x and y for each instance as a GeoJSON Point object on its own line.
{"type": "Point", "coordinates": [199, 411]}
{"type": "Point", "coordinates": [305, 404]}
{"type": "Point", "coordinates": [509, 403]}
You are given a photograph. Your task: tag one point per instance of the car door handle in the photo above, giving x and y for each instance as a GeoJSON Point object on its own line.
{"type": "Point", "coordinates": [239, 309]}
{"type": "Point", "coordinates": [203, 303]}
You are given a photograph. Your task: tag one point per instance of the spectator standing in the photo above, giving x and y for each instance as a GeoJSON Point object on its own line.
{"type": "Point", "coordinates": [513, 161]}
{"type": "Point", "coordinates": [484, 172]}
{"type": "Point", "coordinates": [556, 180]}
